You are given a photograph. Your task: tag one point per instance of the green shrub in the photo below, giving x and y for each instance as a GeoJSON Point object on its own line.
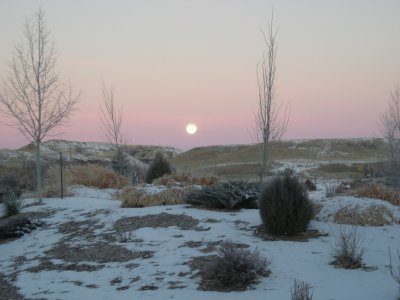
{"type": "Point", "coordinates": [225, 195]}
{"type": "Point", "coordinates": [159, 167]}
{"type": "Point", "coordinates": [9, 187]}
{"type": "Point", "coordinates": [285, 208]}
{"type": "Point", "coordinates": [12, 205]}
{"type": "Point", "coordinates": [234, 269]}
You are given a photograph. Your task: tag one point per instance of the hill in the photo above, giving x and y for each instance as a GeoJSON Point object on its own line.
{"type": "Point", "coordinates": [238, 161]}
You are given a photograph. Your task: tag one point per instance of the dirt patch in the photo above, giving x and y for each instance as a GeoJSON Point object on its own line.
{"type": "Point", "coordinates": [47, 265]}
{"type": "Point", "coordinates": [261, 233]}
{"type": "Point", "coordinates": [162, 220]}
{"type": "Point", "coordinates": [99, 252]}
{"type": "Point", "coordinates": [7, 290]}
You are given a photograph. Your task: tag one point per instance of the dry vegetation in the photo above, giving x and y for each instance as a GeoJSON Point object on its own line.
{"type": "Point", "coordinates": [88, 175]}
{"type": "Point", "coordinates": [374, 215]}
{"type": "Point", "coordinates": [136, 197]}
{"type": "Point", "coordinates": [379, 191]}
{"type": "Point", "coordinates": [185, 178]}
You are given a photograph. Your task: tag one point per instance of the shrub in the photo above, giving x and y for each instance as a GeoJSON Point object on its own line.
{"type": "Point", "coordinates": [185, 178]}
{"type": "Point", "coordinates": [120, 163]}
{"type": "Point", "coordinates": [12, 205]}
{"type": "Point", "coordinates": [9, 187]}
{"type": "Point", "coordinates": [234, 269]}
{"type": "Point", "coordinates": [301, 291]}
{"type": "Point", "coordinates": [133, 197]}
{"type": "Point", "coordinates": [225, 195]}
{"type": "Point", "coordinates": [373, 215]}
{"type": "Point", "coordinates": [96, 176]}
{"type": "Point", "coordinates": [379, 191]}
{"type": "Point", "coordinates": [348, 248]}
{"type": "Point", "coordinates": [159, 167]}
{"type": "Point", "coordinates": [285, 208]}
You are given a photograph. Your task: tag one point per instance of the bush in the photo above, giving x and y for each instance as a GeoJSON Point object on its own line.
{"type": "Point", "coordinates": [348, 248]}
{"type": "Point", "coordinates": [159, 167]}
{"type": "Point", "coordinates": [9, 187]}
{"type": "Point", "coordinates": [120, 163]}
{"type": "Point", "coordinates": [285, 208]}
{"type": "Point", "coordinates": [185, 179]}
{"type": "Point", "coordinates": [301, 291]}
{"type": "Point", "coordinates": [225, 195]}
{"type": "Point", "coordinates": [133, 197]}
{"type": "Point", "coordinates": [379, 191]}
{"type": "Point", "coordinates": [372, 215]}
{"type": "Point", "coordinates": [12, 205]}
{"type": "Point", "coordinates": [234, 269]}
{"type": "Point", "coordinates": [95, 176]}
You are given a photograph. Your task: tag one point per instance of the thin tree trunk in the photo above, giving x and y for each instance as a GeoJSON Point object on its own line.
{"type": "Point", "coordinates": [38, 172]}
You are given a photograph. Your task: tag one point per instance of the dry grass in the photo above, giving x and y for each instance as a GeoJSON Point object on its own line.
{"type": "Point", "coordinates": [185, 179]}
{"type": "Point", "coordinates": [89, 175]}
{"type": "Point", "coordinates": [349, 247]}
{"type": "Point", "coordinates": [374, 215]}
{"type": "Point", "coordinates": [97, 176]}
{"type": "Point", "coordinates": [379, 191]}
{"type": "Point", "coordinates": [133, 197]}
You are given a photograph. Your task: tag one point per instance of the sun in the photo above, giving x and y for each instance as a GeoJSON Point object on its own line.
{"type": "Point", "coordinates": [191, 128]}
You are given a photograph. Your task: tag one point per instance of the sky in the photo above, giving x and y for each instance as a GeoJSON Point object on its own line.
{"type": "Point", "coordinates": [177, 62]}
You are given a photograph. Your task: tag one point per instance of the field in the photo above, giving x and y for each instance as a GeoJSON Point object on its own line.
{"type": "Point", "coordinates": [90, 246]}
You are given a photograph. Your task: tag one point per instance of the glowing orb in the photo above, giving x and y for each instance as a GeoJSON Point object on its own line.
{"type": "Point", "coordinates": [191, 128]}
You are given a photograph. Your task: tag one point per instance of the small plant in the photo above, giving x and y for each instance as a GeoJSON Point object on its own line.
{"type": "Point", "coordinates": [285, 208]}
{"type": "Point", "coordinates": [225, 195]}
{"type": "Point", "coordinates": [125, 237]}
{"type": "Point", "coordinates": [395, 273]}
{"type": "Point", "coordinates": [331, 190]}
{"type": "Point", "coordinates": [159, 167]}
{"type": "Point", "coordinates": [9, 185]}
{"type": "Point", "coordinates": [120, 163]}
{"type": "Point", "coordinates": [301, 290]}
{"type": "Point", "coordinates": [349, 249]}
{"type": "Point", "coordinates": [234, 269]}
{"type": "Point", "coordinates": [12, 205]}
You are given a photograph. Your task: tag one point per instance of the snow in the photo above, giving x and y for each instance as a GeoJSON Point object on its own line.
{"type": "Point", "coordinates": [307, 261]}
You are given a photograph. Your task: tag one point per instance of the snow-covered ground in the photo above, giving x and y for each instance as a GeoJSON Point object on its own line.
{"type": "Point", "coordinates": [164, 275]}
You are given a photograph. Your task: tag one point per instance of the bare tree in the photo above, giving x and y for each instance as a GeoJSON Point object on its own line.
{"type": "Point", "coordinates": [269, 125]}
{"type": "Point", "coordinates": [111, 118]}
{"type": "Point", "coordinates": [33, 97]}
{"type": "Point", "coordinates": [111, 121]}
{"type": "Point", "coordinates": [390, 127]}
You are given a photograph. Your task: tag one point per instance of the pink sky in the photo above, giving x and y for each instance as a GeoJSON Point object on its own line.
{"type": "Point", "coordinates": [176, 62]}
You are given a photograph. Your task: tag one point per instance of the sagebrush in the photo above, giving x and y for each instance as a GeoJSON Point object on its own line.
{"type": "Point", "coordinates": [285, 207]}
{"type": "Point", "coordinates": [349, 247]}
{"type": "Point", "coordinates": [234, 269]}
